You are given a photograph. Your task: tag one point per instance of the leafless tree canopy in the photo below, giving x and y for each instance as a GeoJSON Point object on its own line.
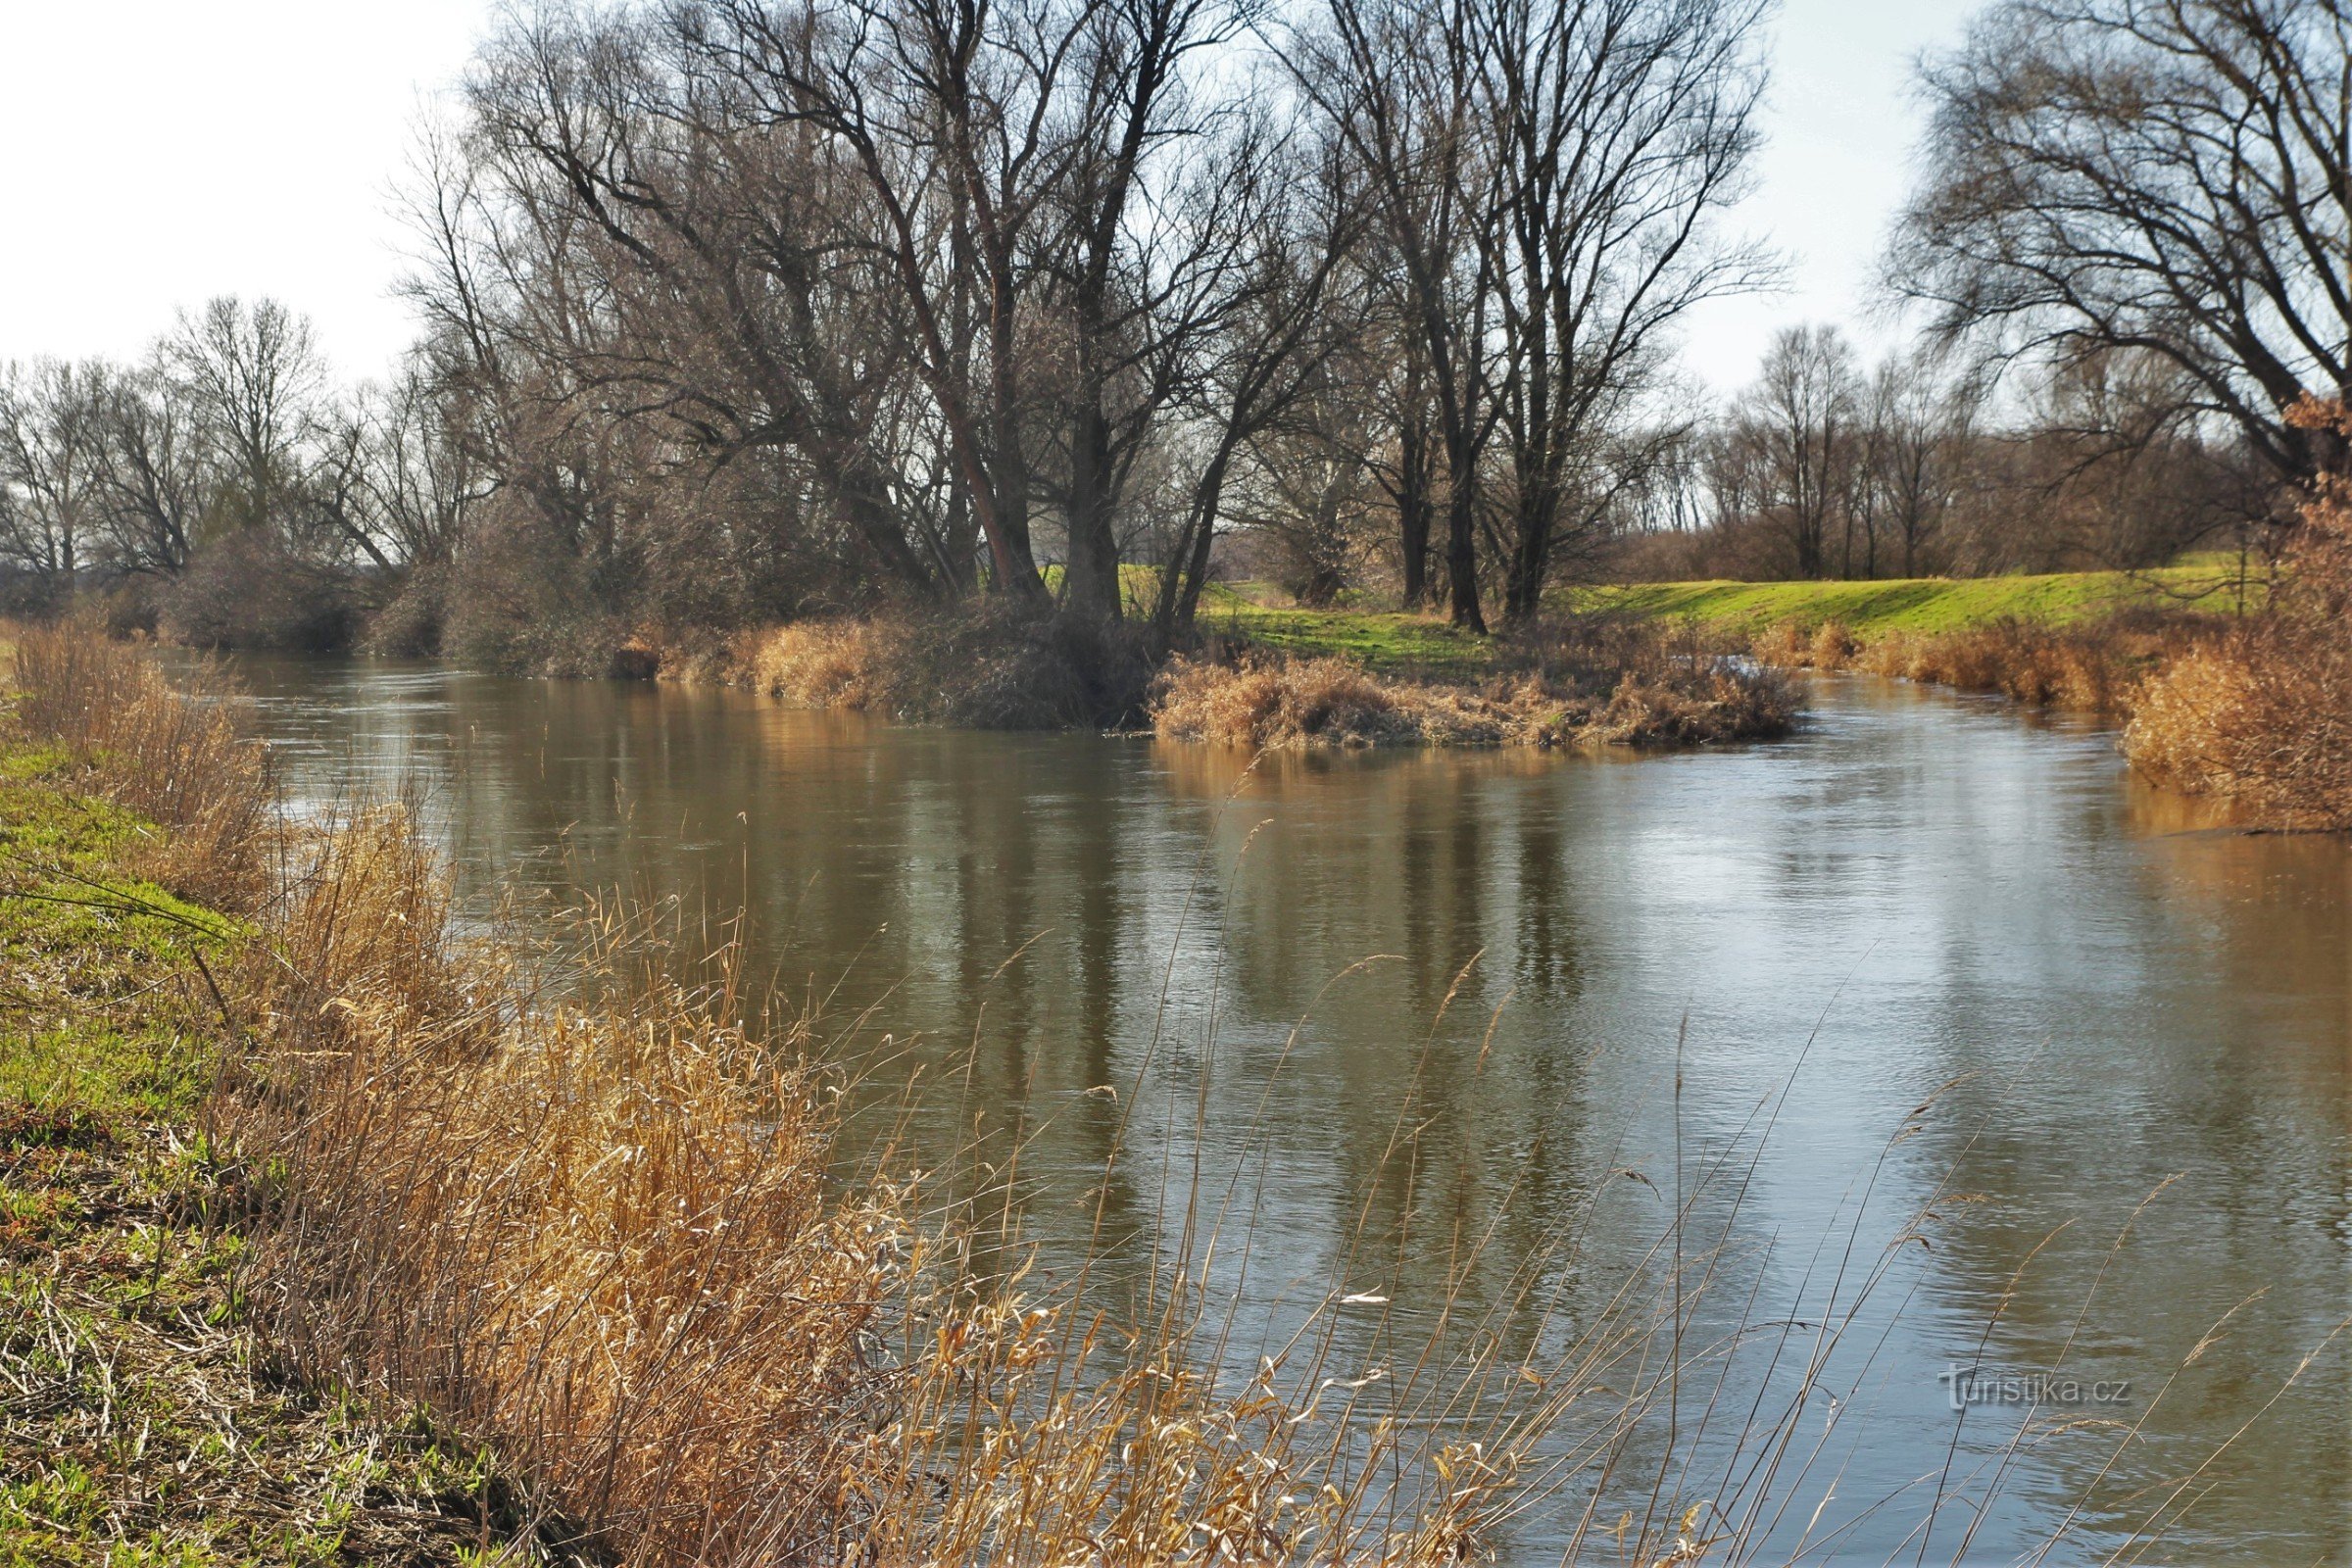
{"type": "Point", "coordinates": [2173, 180]}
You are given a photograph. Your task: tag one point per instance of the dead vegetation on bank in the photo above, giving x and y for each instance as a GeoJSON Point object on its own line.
{"type": "Point", "coordinates": [2263, 713]}
{"type": "Point", "coordinates": [2089, 668]}
{"type": "Point", "coordinates": [1579, 684]}
{"type": "Point", "coordinates": [996, 666]}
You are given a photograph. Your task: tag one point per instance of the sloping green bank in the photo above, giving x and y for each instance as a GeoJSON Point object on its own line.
{"type": "Point", "coordinates": [142, 1421]}
{"type": "Point", "coordinates": [1925, 604]}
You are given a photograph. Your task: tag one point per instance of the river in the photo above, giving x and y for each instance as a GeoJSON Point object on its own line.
{"type": "Point", "coordinates": [1927, 953]}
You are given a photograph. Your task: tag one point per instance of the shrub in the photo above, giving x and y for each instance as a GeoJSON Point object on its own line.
{"type": "Point", "coordinates": [250, 591]}
{"type": "Point", "coordinates": [843, 663]}
{"type": "Point", "coordinates": [2265, 713]}
{"type": "Point", "coordinates": [989, 666]}
{"type": "Point", "coordinates": [410, 623]}
{"type": "Point", "coordinates": [520, 606]}
{"type": "Point", "coordinates": [2089, 666]}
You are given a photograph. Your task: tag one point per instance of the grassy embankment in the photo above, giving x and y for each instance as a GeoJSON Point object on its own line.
{"type": "Point", "coordinates": [1389, 642]}
{"type": "Point", "coordinates": [142, 1420]}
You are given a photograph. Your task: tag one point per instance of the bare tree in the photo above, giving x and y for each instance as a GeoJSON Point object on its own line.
{"type": "Point", "coordinates": [2173, 179]}
{"type": "Point", "coordinates": [1396, 81]}
{"type": "Point", "coordinates": [1922, 432]}
{"type": "Point", "coordinates": [249, 377]}
{"type": "Point", "coordinates": [52, 463]}
{"type": "Point", "coordinates": [160, 477]}
{"type": "Point", "coordinates": [1279, 320]}
{"type": "Point", "coordinates": [1620, 129]}
{"type": "Point", "coordinates": [1796, 424]}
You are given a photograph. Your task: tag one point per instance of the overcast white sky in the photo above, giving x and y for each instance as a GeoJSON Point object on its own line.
{"type": "Point", "coordinates": [162, 151]}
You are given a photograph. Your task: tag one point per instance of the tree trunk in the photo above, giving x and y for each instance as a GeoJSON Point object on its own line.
{"type": "Point", "coordinates": [1461, 543]}
{"type": "Point", "coordinates": [1091, 573]}
{"type": "Point", "coordinates": [1412, 511]}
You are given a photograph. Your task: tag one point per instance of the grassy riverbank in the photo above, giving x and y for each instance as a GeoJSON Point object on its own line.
{"type": "Point", "coordinates": [143, 1419]}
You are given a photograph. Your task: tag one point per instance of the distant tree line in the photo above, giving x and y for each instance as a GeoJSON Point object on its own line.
{"type": "Point", "coordinates": [1825, 468]}
{"type": "Point", "coordinates": [736, 310]}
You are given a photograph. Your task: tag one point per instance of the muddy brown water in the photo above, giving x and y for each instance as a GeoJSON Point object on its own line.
{"type": "Point", "coordinates": [1926, 953]}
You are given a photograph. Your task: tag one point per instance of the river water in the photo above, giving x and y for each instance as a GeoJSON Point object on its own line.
{"type": "Point", "coordinates": [1948, 994]}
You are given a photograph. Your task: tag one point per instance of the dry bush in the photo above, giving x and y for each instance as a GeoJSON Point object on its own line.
{"type": "Point", "coordinates": [2265, 716]}
{"type": "Point", "coordinates": [1574, 683]}
{"type": "Point", "coordinates": [2086, 668]}
{"type": "Point", "coordinates": [1259, 701]}
{"type": "Point", "coordinates": [410, 624]}
{"type": "Point", "coordinates": [251, 590]}
{"type": "Point", "coordinates": [825, 664]}
{"type": "Point", "coordinates": [185, 764]}
{"type": "Point", "coordinates": [1785, 645]}
{"type": "Point", "coordinates": [1792, 645]}
{"type": "Point", "coordinates": [2265, 713]}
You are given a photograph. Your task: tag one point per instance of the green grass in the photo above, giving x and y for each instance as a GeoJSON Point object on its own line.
{"type": "Point", "coordinates": [1380, 640]}
{"type": "Point", "coordinates": [1920, 604]}
{"type": "Point", "coordinates": [102, 989]}
{"type": "Point", "coordinates": [1391, 642]}
{"type": "Point", "coordinates": [138, 1421]}
{"type": "Point", "coordinates": [104, 997]}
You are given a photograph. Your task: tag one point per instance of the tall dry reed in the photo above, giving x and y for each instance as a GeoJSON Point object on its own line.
{"type": "Point", "coordinates": [2090, 667]}
{"type": "Point", "coordinates": [182, 761]}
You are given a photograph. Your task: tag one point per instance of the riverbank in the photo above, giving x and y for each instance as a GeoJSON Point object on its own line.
{"type": "Point", "coordinates": [144, 1416]}
{"type": "Point", "coordinates": [1389, 642]}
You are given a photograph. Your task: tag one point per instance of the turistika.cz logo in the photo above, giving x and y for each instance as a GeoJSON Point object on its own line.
{"type": "Point", "coordinates": [1976, 1384]}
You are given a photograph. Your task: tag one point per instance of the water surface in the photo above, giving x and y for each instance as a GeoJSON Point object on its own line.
{"type": "Point", "coordinates": [1924, 953]}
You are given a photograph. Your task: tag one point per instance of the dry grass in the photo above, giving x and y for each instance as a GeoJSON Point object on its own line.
{"type": "Point", "coordinates": [593, 1230]}
{"type": "Point", "coordinates": [1574, 684]}
{"type": "Point", "coordinates": [183, 765]}
{"type": "Point", "coordinates": [1789, 645]}
{"type": "Point", "coordinates": [138, 1421]}
{"type": "Point", "coordinates": [983, 666]}
{"type": "Point", "coordinates": [824, 664]}
{"type": "Point", "coordinates": [2265, 713]}
{"type": "Point", "coordinates": [2086, 667]}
